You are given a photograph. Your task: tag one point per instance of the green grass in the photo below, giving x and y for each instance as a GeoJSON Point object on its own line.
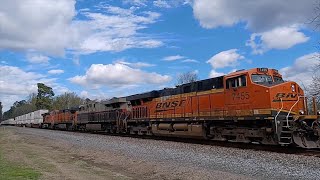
{"type": "Point", "coordinates": [13, 170]}
{"type": "Point", "coordinates": [10, 171]}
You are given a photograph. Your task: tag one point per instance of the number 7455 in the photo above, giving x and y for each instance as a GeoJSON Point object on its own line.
{"type": "Point", "coordinates": [240, 96]}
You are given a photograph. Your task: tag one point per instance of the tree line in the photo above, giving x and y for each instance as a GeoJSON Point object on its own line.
{"type": "Point", "coordinates": [44, 99]}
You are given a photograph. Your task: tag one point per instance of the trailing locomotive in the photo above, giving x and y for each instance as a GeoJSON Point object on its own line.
{"type": "Point", "coordinates": [254, 105]}
{"type": "Point", "coordinates": [60, 119]}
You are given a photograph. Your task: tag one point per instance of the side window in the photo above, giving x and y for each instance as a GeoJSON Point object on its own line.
{"type": "Point", "coordinates": [243, 80]}
{"type": "Point", "coordinates": [239, 81]}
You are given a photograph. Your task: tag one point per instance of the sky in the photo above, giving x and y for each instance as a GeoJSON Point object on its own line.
{"type": "Point", "coordinates": [112, 48]}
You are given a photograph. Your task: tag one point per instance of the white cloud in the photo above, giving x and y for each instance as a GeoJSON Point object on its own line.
{"type": "Point", "coordinates": [190, 61]}
{"type": "Point", "coordinates": [8, 100]}
{"type": "Point", "coordinates": [302, 70]}
{"type": "Point", "coordinates": [52, 28]}
{"type": "Point", "coordinates": [170, 3]}
{"type": "Point", "coordinates": [157, 3]}
{"type": "Point", "coordinates": [37, 58]}
{"type": "Point", "coordinates": [96, 95]}
{"type": "Point", "coordinates": [136, 2]}
{"type": "Point", "coordinates": [161, 4]}
{"type": "Point", "coordinates": [16, 84]}
{"type": "Point", "coordinates": [278, 38]}
{"type": "Point", "coordinates": [117, 30]}
{"type": "Point", "coordinates": [84, 94]}
{"type": "Point", "coordinates": [134, 64]}
{"type": "Point", "coordinates": [47, 29]}
{"type": "Point", "coordinates": [259, 15]}
{"type": "Point", "coordinates": [223, 59]}
{"type": "Point", "coordinates": [117, 75]}
{"type": "Point", "coordinates": [173, 58]}
{"type": "Point", "coordinates": [15, 81]}
{"type": "Point", "coordinates": [214, 73]}
{"type": "Point", "coordinates": [119, 11]}
{"type": "Point", "coordinates": [275, 23]}
{"type": "Point", "coordinates": [56, 71]}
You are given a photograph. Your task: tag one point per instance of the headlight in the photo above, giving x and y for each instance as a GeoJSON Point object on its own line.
{"type": "Point", "coordinates": [293, 88]}
{"type": "Point", "coordinates": [301, 112]}
{"type": "Point", "coordinates": [318, 112]}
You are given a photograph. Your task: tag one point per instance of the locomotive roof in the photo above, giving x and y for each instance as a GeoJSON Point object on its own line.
{"type": "Point", "coordinates": [202, 85]}
{"type": "Point", "coordinates": [115, 100]}
{"type": "Point", "coordinates": [255, 70]}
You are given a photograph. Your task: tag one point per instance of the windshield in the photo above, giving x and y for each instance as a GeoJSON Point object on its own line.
{"type": "Point", "coordinates": [277, 79]}
{"type": "Point", "coordinates": [256, 78]}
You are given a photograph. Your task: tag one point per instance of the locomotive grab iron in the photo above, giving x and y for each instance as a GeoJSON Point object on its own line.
{"type": "Point", "coordinates": [254, 105]}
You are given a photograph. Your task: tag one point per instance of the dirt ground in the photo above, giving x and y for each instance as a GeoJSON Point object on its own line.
{"type": "Point", "coordinates": [53, 160]}
{"type": "Point", "coordinates": [64, 160]}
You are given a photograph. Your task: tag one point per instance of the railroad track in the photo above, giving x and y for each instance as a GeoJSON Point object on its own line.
{"type": "Point", "coordinates": [250, 146]}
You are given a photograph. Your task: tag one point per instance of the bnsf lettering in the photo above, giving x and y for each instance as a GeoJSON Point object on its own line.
{"type": "Point", "coordinates": [290, 95]}
{"type": "Point", "coordinates": [166, 104]}
{"type": "Point", "coordinates": [285, 97]}
{"type": "Point", "coordinates": [159, 105]}
{"type": "Point", "coordinates": [174, 103]}
{"type": "Point", "coordinates": [171, 104]}
{"type": "Point", "coordinates": [280, 95]}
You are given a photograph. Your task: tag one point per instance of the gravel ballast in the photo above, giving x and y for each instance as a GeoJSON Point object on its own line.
{"type": "Point", "coordinates": [157, 159]}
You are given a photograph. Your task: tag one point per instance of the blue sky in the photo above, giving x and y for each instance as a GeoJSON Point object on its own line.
{"type": "Point", "coordinates": [102, 49]}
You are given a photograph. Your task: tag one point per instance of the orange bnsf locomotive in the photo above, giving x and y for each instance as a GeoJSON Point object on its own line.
{"type": "Point", "coordinates": [254, 105]}
{"type": "Point", "coordinates": [60, 119]}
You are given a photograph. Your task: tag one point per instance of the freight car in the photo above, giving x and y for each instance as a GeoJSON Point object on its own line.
{"type": "Point", "coordinates": [32, 119]}
{"type": "Point", "coordinates": [8, 122]}
{"type": "Point", "coordinates": [254, 105]}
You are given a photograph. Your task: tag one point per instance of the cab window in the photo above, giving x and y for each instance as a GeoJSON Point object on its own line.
{"type": "Point", "coordinates": [277, 79]}
{"type": "Point", "coordinates": [258, 78]}
{"type": "Point", "coordinates": [235, 82]}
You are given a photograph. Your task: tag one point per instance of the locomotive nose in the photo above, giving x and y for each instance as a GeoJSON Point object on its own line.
{"type": "Point", "coordinates": [295, 88]}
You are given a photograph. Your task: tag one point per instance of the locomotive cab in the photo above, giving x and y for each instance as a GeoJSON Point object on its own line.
{"type": "Point", "coordinates": [262, 92]}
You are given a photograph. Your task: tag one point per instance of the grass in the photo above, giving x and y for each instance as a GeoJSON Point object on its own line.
{"type": "Point", "coordinates": [9, 171]}
{"type": "Point", "coordinates": [14, 171]}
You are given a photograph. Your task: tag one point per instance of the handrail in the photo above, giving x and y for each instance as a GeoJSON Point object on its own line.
{"type": "Point", "coordinates": [275, 119]}
{"type": "Point", "coordinates": [287, 118]}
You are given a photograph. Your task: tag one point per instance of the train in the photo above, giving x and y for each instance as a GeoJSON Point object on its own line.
{"type": "Point", "coordinates": [248, 106]}
{"type": "Point", "coordinates": [8, 122]}
{"type": "Point", "coordinates": [32, 119]}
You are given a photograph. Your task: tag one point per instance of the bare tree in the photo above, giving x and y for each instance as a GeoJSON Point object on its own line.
{"type": "Point", "coordinates": [186, 77]}
{"type": "Point", "coordinates": [316, 19]}
{"type": "Point", "coordinates": [315, 86]}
